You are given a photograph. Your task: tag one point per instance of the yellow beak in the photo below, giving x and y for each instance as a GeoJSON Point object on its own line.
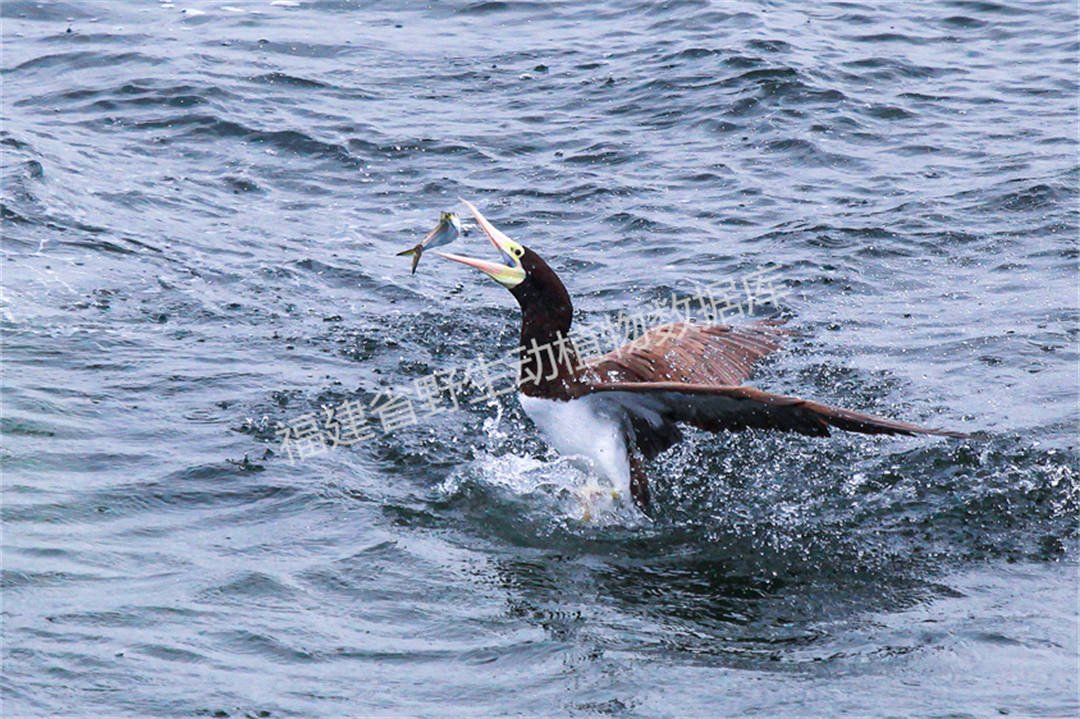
{"type": "Point", "coordinates": [509, 275]}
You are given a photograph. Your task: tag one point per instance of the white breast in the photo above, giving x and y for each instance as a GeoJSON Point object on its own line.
{"type": "Point", "coordinates": [583, 431]}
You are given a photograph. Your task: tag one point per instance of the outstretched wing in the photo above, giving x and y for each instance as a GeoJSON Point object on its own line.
{"type": "Point", "coordinates": [657, 408]}
{"type": "Point", "coordinates": [691, 353]}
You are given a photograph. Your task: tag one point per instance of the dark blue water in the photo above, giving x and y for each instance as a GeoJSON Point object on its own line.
{"type": "Point", "coordinates": [201, 203]}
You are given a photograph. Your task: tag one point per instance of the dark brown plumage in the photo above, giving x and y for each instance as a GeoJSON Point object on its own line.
{"type": "Point", "coordinates": [677, 374]}
{"type": "Point", "coordinates": [692, 353]}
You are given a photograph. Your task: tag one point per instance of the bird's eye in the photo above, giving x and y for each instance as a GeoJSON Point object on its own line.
{"type": "Point", "coordinates": [518, 251]}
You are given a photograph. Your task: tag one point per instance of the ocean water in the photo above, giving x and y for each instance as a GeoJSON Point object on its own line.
{"type": "Point", "coordinates": [201, 206]}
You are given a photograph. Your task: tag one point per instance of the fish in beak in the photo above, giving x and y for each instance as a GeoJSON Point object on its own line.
{"type": "Point", "coordinates": [509, 273]}
{"type": "Point", "coordinates": [445, 232]}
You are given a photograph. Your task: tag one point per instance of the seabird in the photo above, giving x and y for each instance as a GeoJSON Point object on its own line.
{"type": "Point", "coordinates": [610, 413]}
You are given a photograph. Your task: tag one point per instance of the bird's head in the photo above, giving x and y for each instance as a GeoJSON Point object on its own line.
{"type": "Point", "coordinates": [521, 271]}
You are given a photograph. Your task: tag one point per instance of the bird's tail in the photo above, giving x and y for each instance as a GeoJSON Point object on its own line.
{"type": "Point", "coordinates": [415, 252]}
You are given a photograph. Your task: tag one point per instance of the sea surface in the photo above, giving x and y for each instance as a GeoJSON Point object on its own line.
{"type": "Point", "coordinates": [201, 206]}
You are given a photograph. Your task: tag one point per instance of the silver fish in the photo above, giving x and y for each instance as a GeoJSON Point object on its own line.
{"type": "Point", "coordinates": [445, 232]}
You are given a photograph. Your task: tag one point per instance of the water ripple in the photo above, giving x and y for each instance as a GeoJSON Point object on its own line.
{"type": "Point", "coordinates": [201, 205]}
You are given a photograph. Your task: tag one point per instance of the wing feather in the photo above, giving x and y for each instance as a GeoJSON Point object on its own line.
{"type": "Point", "coordinates": [655, 406]}
{"type": "Point", "coordinates": [691, 353]}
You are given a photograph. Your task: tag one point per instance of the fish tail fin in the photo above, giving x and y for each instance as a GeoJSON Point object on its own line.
{"type": "Point", "coordinates": [415, 252]}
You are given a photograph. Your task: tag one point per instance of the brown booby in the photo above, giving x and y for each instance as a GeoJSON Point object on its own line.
{"type": "Point", "coordinates": [612, 412]}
